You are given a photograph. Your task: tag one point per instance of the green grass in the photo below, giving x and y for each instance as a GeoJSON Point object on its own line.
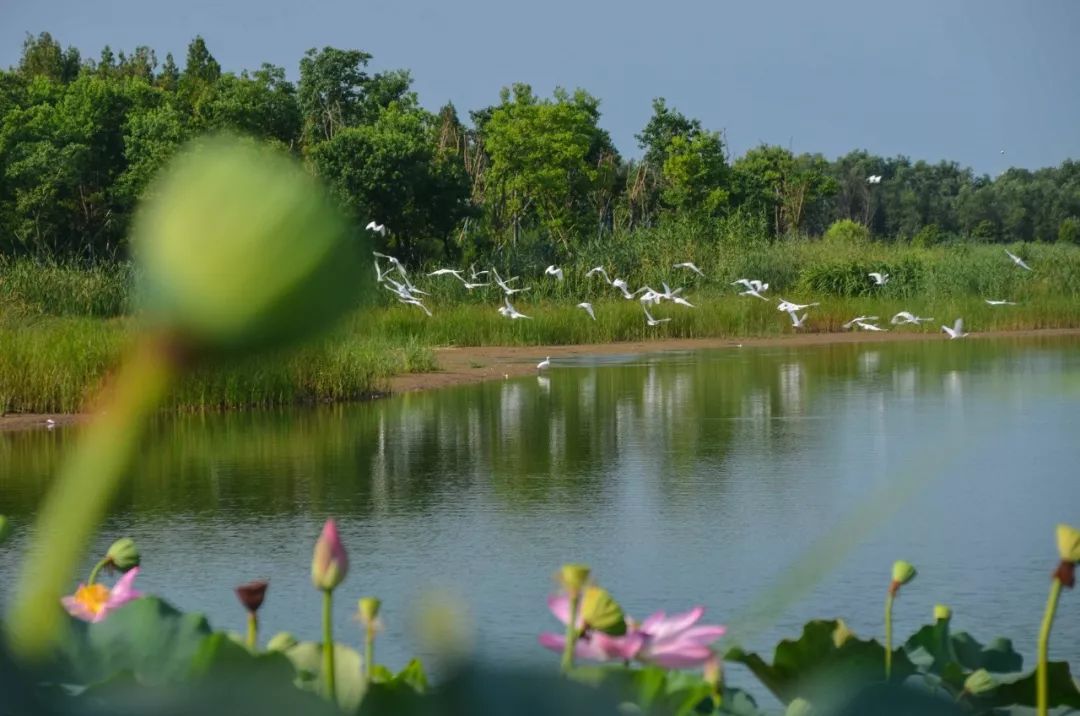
{"type": "Point", "coordinates": [62, 327]}
{"type": "Point", "coordinates": [57, 364]}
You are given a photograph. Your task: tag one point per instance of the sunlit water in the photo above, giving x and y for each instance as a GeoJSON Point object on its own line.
{"type": "Point", "coordinates": [682, 478]}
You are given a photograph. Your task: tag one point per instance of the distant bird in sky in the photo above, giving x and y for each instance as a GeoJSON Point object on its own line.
{"type": "Point", "coordinates": [588, 309]}
{"type": "Point", "coordinates": [906, 317]}
{"type": "Point", "coordinates": [555, 271]}
{"type": "Point", "coordinates": [653, 321]}
{"type": "Point", "coordinates": [879, 278]}
{"type": "Point", "coordinates": [544, 364]}
{"type": "Point", "coordinates": [957, 331]}
{"type": "Point", "coordinates": [1017, 260]}
{"type": "Point", "coordinates": [858, 319]}
{"type": "Point", "coordinates": [690, 265]}
{"type": "Point", "coordinates": [377, 228]}
{"type": "Point", "coordinates": [999, 302]}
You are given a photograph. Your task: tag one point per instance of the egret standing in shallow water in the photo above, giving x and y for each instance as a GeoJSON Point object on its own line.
{"type": "Point", "coordinates": [544, 364]}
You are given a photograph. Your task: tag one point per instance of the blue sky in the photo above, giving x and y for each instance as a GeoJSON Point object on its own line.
{"type": "Point", "coordinates": [931, 79]}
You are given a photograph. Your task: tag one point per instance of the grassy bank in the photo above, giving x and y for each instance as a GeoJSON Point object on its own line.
{"type": "Point", "coordinates": [62, 327]}
{"type": "Point", "coordinates": [55, 364]}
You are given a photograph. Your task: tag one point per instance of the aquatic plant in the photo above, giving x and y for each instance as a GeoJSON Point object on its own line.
{"type": "Point", "coordinates": [902, 573]}
{"type": "Point", "coordinates": [92, 602]}
{"type": "Point", "coordinates": [329, 567]}
{"type": "Point", "coordinates": [251, 595]}
{"type": "Point", "coordinates": [1068, 543]}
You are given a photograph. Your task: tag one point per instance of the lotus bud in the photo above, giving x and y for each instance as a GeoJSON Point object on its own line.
{"type": "Point", "coordinates": [1068, 541]}
{"type": "Point", "coordinates": [979, 682]}
{"type": "Point", "coordinates": [841, 633]}
{"type": "Point", "coordinates": [942, 612]}
{"type": "Point", "coordinates": [282, 641]}
{"type": "Point", "coordinates": [239, 248]}
{"type": "Point", "coordinates": [5, 529]}
{"type": "Point", "coordinates": [799, 707]}
{"type": "Point", "coordinates": [330, 563]}
{"type": "Point", "coordinates": [368, 610]}
{"type": "Point", "coordinates": [902, 573]}
{"type": "Point", "coordinates": [123, 554]}
{"type": "Point", "coordinates": [574, 577]}
{"type": "Point", "coordinates": [251, 594]}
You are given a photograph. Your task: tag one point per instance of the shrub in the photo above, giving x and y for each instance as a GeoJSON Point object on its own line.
{"type": "Point", "coordinates": [847, 232]}
{"type": "Point", "coordinates": [1069, 231]}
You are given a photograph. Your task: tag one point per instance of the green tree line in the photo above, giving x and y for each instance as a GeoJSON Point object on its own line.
{"type": "Point", "coordinates": [81, 138]}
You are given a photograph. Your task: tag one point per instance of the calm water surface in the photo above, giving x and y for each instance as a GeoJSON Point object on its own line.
{"type": "Point", "coordinates": [683, 478]}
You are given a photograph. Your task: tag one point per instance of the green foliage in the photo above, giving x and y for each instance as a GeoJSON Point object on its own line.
{"type": "Point", "coordinates": [846, 232]}
{"type": "Point", "coordinates": [1069, 231]}
{"type": "Point", "coordinates": [307, 658]}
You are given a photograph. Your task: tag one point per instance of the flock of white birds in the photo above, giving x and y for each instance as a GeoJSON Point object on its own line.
{"type": "Point", "coordinates": [407, 293]}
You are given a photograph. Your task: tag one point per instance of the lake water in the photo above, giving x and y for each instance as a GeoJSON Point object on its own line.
{"type": "Point", "coordinates": [772, 485]}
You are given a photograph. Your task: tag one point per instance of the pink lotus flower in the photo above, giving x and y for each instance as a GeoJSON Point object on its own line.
{"type": "Point", "coordinates": [674, 642]}
{"type": "Point", "coordinates": [93, 602]}
{"type": "Point", "coordinates": [330, 563]}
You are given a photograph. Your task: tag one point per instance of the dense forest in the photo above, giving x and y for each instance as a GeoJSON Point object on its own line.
{"type": "Point", "coordinates": [81, 138]}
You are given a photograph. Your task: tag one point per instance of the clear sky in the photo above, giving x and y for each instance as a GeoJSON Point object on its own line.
{"type": "Point", "coordinates": [931, 79]}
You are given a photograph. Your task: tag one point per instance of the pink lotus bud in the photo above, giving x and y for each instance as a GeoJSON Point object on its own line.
{"type": "Point", "coordinates": [330, 564]}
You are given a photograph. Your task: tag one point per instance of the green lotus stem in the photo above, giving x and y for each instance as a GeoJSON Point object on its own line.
{"type": "Point", "coordinates": [252, 631]}
{"type": "Point", "coordinates": [369, 652]}
{"type": "Point", "coordinates": [571, 631]}
{"type": "Point", "coordinates": [888, 633]}
{"type": "Point", "coordinates": [94, 572]}
{"type": "Point", "coordinates": [1042, 675]}
{"type": "Point", "coordinates": [328, 644]}
{"type": "Point", "coordinates": [76, 503]}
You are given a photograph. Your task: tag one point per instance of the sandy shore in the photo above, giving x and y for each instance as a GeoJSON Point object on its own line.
{"type": "Point", "coordinates": [459, 366]}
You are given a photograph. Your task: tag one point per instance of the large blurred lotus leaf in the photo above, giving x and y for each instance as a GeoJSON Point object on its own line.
{"type": "Point", "coordinates": [147, 637]}
{"type": "Point", "coordinates": [659, 692]}
{"type": "Point", "coordinates": [220, 654]}
{"type": "Point", "coordinates": [1019, 689]}
{"type": "Point", "coordinates": [390, 693]}
{"type": "Point", "coordinates": [601, 612]}
{"type": "Point", "coordinates": [239, 248]}
{"type": "Point", "coordinates": [933, 649]}
{"type": "Point", "coordinates": [349, 684]}
{"type": "Point", "coordinates": [818, 664]}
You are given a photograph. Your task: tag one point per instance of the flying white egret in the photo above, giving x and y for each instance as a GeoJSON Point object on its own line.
{"type": "Point", "coordinates": [858, 319]}
{"type": "Point", "coordinates": [474, 274]}
{"type": "Point", "coordinates": [588, 309]}
{"type": "Point", "coordinates": [379, 273]}
{"type": "Point", "coordinates": [416, 302]}
{"type": "Point", "coordinates": [456, 273]}
{"type": "Point", "coordinates": [1017, 260]}
{"type": "Point", "coordinates": [751, 284]}
{"type": "Point", "coordinates": [873, 179]}
{"type": "Point", "coordinates": [796, 320]}
{"type": "Point", "coordinates": [682, 301]}
{"type": "Point", "coordinates": [957, 331]}
{"type": "Point", "coordinates": [621, 285]}
{"type": "Point", "coordinates": [870, 327]}
{"type": "Point", "coordinates": [653, 321]}
{"type": "Point", "coordinates": [544, 364]}
{"type": "Point", "coordinates": [907, 317]}
{"type": "Point", "coordinates": [504, 285]}
{"type": "Point", "coordinates": [788, 306]}
{"type": "Point", "coordinates": [377, 228]}
{"type": "Point", "coordinates": [752, 292]}
{"type": "Point", "coordinates": [690, 265]}
{"type": "Point", "coordinates": [469, 285]}
{"type": "Point", "coordinates": [669, 293]}
{"type": "Point", "coordinates": [648, 295]}
{"type": "Point", "coordinates": [555, 271]}
{"type": "Point", "coordinates": [879, 278]}
{"type": "Point", "coordinates": [598, 270]}
{"type": "Point", "coordinates": [999, 302]}
{"type": "Point", "coordinates": [510, 312]}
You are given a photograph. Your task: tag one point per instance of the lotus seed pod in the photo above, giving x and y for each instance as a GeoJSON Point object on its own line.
{"type": "Point", "coordinates": [942, 612]}
{"type": "Point", "coordinates": [574, 577]}
{"type": "Point", "coordinates": [368, 609]}
{"type": "Point", "coordinates": [1068, 540]}
{"type": "Point", "coordinates": [979, 682]}
{"type": "Point", "coordinates": [238, 248]}
{"type": "Point", "coordinates": [601, 612]}
{"type": "Point", "coordinates": [251, 594]}
{"type": "Point", "coordinates": [123, 554]}
{"type": "Point", "coordinates": [902, 572]}
{"type": "Point", "coordinates": [282, 641]}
